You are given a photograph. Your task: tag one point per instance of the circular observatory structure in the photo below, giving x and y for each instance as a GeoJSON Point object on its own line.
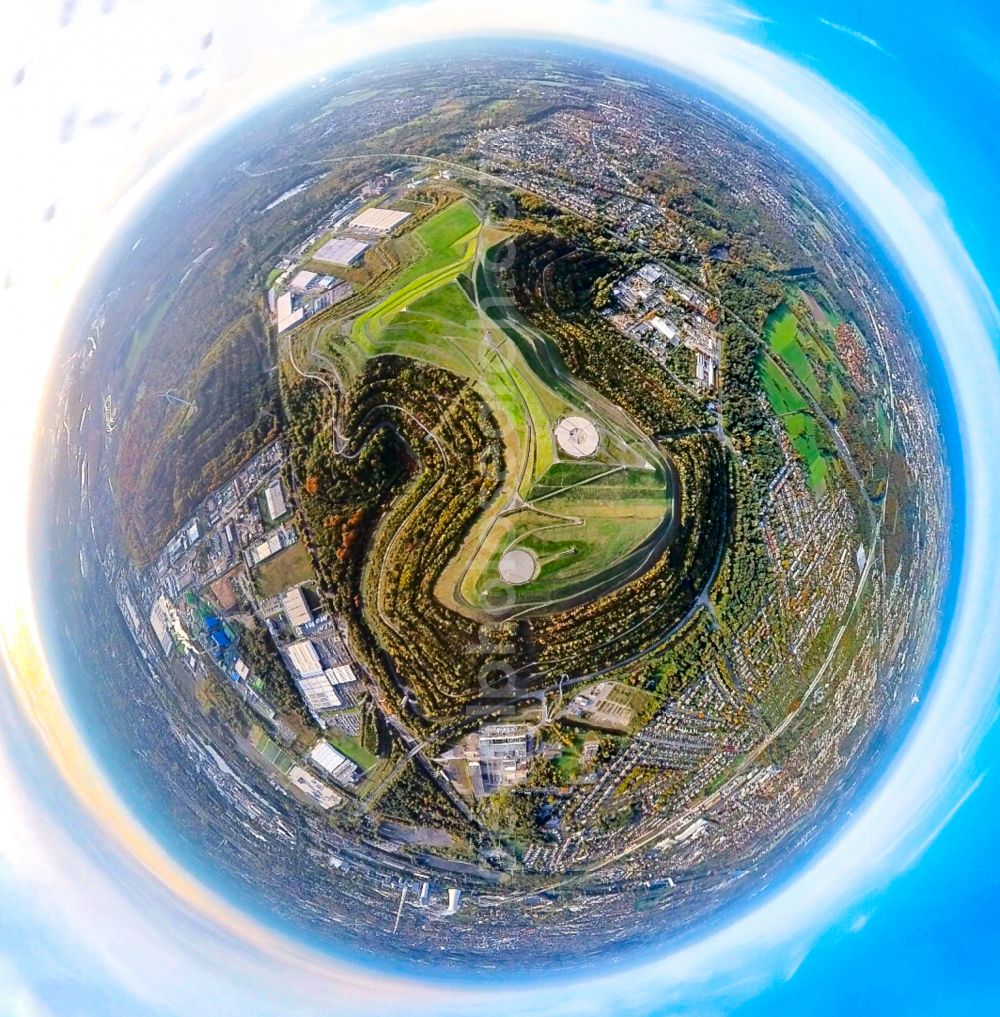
{"type": "Point", "coordinates": [577, 437]}
{"type": "Point", "coordinates": [313, 510]}
{"type": "Point", "coordinates": [518, 566]}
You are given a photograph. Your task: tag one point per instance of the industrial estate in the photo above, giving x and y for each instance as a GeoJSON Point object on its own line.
{"type": "Point", "coordinates": [542, 536]}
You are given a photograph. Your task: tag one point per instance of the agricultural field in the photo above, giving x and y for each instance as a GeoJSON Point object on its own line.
{"type": "Point", "coordinates": [798, 362]}
{"type": "Point", "coordinates": [789, 344]}
{"type": "Point", "coordinates": [800, 424]}
{"type": "Point", "coordinates": [802, 338]}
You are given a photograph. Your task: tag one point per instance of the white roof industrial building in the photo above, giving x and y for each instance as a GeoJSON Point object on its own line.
{"type": "Point", "coordinates": [266, 548]}
{"type": "Point", "coordinates": [379, 220]}
{"type": "Point", "coordinates": [288, 314]}
{"type": "Point", "coordinates": [341, 674]}
{"type": "Point", "coordinates": [161, 621]}
{"type": "Point", "coordinates": [316, 683]}
{"type": "Point", "coordinates": [342, 251]}
{"type": "Point", "coordinates": [335, 763]}
{"type": "Point", "coordinates": [665, 329]}
{"type": "Point", "coordinates": [303, 280]}
{"type": "Point", "coordinates": [296, 607]}
{"type": "Point", "coordinates": [305, 659]}
{"type": "Point", "coordinates": [275, 498]}
{"type": "Point", "coordinates": [319, 693]}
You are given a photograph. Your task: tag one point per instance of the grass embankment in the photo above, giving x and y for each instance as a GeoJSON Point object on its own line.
{"type": "Point", "coordinates": [585, 523]}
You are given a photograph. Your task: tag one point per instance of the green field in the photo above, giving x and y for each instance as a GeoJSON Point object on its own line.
{"type": "Point", "coordinates": [799, 424]}
{"type": "Point", "coordinates": [579, 515]}
{"type": "Point", "coordinates": [802, 428]}
{"type": "Point", "coordinates": [781, 393]}
{"type": "Point", "coordinates": [286, 568]}
{"type": "Point", "coordinates": [449, 243]}
{"type": "Point", "coordinates": [811, 360]}
{"type": "Point", "coordinates": [581, 529]}
{"type": "Point", "coordinates": [794, 354]}
{"type": "Point", "coordinates": [272, 752]}
{"type": "Point", "coordinates": [790, 344]}
{"type": "Point", "coordinates": [351, 748]}
{"type": "Point", "coordinates": [883, 423]}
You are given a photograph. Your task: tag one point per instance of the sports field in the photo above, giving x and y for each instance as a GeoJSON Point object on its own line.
{"type": "Point", "coordinates": [272, 752]}
{"type": "Point", "coordinates": [585, 522]}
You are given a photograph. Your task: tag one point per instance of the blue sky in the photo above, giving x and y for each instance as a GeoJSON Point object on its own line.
{"type": "Point", "coordinates": [924, 942]}
{"type": "Point", "coordinates": [934, 80]}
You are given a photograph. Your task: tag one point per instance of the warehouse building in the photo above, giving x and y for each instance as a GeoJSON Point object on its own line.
{"type": "Point", "coordinates": [288, 312]}
{"type": "Point", "coordinates": [342, 251]}
{"type": "Point", "coordinates": [296, 607]}
{"type": "Point", "coordinates": [341, 674]}
{"type": "Point", "coordinates": [274, 496]}
{"type": "Point", "coordinates": [305, 659]}
{"type": "Point", "coordinates": [379, 221]}
{"type": "Point", "coordinates": [335, 763]}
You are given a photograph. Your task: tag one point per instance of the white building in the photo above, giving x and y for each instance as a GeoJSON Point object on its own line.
{"type": "Point", "coordinates": [342, 251]}
{"type": "Point", "coordinates": [336, 764]}
{"type": "Point", "coordinates": [296, 607]}
{"type": "Point", "coordinates": [705, 370]}
{"type": "Point", "coordinates": [288, 312]}
{"type": "Point", "coordinates": [504, 751]}
{"type": "Point", "coordinates": [380, 221]}
{"type": "Point", "coordinates": [341, 674]}
{"type": "Point", "coordinates": [303, 280]}
{"type": "Point", "coordinates": [274, 496]}
{"type": "Point", "coordinates": [266, 548]}
{"type": "Point", "coordinates": [665, 329]}
{"type": "Point", "coordinates": [454, 898]}
{"type": "Point", "coordinates": [305, 659]}
{"type": "Point", "coordinates": [318, 692]}
{"type": "Point", "coordinates": [160, 619]}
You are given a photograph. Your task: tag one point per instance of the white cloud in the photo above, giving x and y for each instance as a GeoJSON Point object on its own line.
{"type": "Point", "coordinates": [854, 34]}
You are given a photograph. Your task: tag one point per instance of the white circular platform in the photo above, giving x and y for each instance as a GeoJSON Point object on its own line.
{"type": "Point", "coordinates": [518, 567]}
{"type": "Point", "coordinates": [577, 437]}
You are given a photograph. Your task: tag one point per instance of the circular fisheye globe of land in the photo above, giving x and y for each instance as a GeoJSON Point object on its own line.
{"type": "Point", "coordinates": [502, 510]}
